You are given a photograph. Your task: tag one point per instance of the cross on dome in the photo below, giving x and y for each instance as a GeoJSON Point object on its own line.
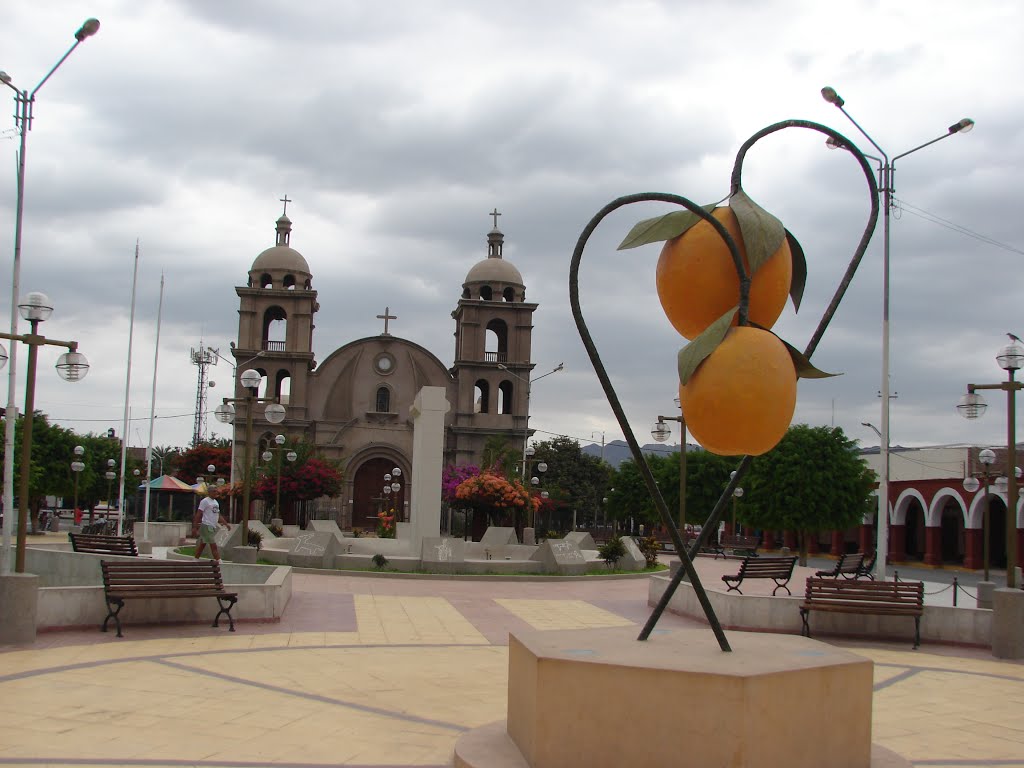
{"type": "Point", "coordinates": [385, 317]}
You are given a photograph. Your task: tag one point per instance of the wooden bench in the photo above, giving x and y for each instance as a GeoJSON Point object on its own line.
{"type": "Point", "coordinates": [97, 544]}
{"type": "Point", "coordinates": [876, 598]}
{"type": "Point", "coordinates": [163, 579]}
{"type": "Point", "coordinates": [748, 544]}
{"type": "Point", "coordinates": [849, 566]}
{"type": "Point", "coordinates": [778, 568]}
{"type": "Point", "coordinates": [867, 569]}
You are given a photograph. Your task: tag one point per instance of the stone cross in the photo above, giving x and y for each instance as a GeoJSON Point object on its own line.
{"type": "Point", "coordinates": [495, 214]}
{"type": "Point", "coordinates": [385, 317]}
{"type": "Point", "coordinates": [285, 200]}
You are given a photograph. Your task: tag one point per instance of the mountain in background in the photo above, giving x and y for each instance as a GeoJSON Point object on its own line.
{"type": "Point", "coordinates": [617, 451]}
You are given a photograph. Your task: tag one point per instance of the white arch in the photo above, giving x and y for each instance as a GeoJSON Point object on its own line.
{"type": "Point", "coordinates": [933, 517]}
{"type": "Point", "coordinates": [993, 491]}
{"type": "Point", "coordinates": [899, 513]}
{"type": "Point", "coordinates": [869, 517]}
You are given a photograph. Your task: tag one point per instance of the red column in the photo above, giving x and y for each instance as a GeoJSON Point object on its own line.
{"type": "Point", "coordinates": [769, 539]}
{"type": "Point", "coordinates": [728, 528]}
{"type": "Point", "coordinates": [897, 543]}
{"type": "Point", "coordinates": [867, 538]}
{"type": "Point", "coordinates": [789, 540]}
{"type": "Point", "coordinates": [838, 543]}
{"type": "Point", "coordinates": [812, 544]}
{"type": "Point", "coordinates": [973, 554]}
{"type": "Point", "coordinates": [933, 545]}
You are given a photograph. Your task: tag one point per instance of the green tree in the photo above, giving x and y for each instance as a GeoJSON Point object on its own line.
{"type": "Point", "coordinates": [812, 481]}
{"type": "Point", "coordinates": [500, 456]}
{"type": "Point", "coordinates": [575, 480]}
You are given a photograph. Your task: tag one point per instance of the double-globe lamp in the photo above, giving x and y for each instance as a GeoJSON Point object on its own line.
{"type": "Point", "coordinates": [971, 406]}
{"type": "Point", "coordinates": [72, 365]}
{"type": "Point", "coordinates": [225, 413]}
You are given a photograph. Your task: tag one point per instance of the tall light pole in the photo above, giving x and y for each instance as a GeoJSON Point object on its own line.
{"type": "Point", "coordinates": [76, 468]}
{"type": "Point", "coordinates": [971, 406]}
{"type": "Point", "coordinates": [987, 457]}
{"type": "Point", "coordinates": [660, 432]}
{"type": "Point", "coordinates": [888, 170]}
{"type": "Point", "coordinates": [234, 373]}
{"type": "Point", "coordinates": [110, 475]}
{"type": "Point", "coordinates": [529, 383]}
{"type": "Point", "coordinates": [268, 454]}
{"type": "Point", "coordinates": [24, 101]}
{"type": "Point", "coordinates": [72, 366]}
{"type": "Point", "coordinates": [225, 413]}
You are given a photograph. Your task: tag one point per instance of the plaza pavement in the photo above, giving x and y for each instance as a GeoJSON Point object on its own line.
{"type": "Point", "coordinates": [389, 672]}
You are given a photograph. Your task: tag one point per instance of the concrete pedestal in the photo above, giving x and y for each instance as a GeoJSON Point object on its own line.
{"type": "Point", "coordinates": [245, 555]}
{"type": "Point", "coordinates": [145, 547]}
{"type": "Point", "coordinates": [777, 690]}
{"type": "Point", "coordinates": [529, 536]}
{"type": "Point", "coordinates": [1008, 624]}
{"type": "Point", "coordinates": [19, 600]}
{"type": "Point", "coordinates": [985, 591]}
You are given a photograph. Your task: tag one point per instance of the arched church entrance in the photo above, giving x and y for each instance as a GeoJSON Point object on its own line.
{"type": "Point", "coordinates": [368, 497]}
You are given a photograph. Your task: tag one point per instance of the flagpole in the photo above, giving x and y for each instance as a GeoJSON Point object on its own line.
{"type": "Point", "coordinates": [127, 393]}
{"type": "Point", "coordinates": [152, 412]}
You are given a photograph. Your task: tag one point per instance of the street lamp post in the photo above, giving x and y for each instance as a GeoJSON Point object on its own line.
{"type": "Point", "coordinates": [541, 467]}
{"type": "Point", "coordinates": [234, 372]}
{"type": "Point", "coordinates": [71, 366]}
{"type": "Point", "coordinates": [24, 101]}
{"type": "Point", "coordinates": [528, 382]}
{"type": "Point", "coordinates": [225, 413]}
{"type": "Point", "coordinates": [660, 432]}
{"type": "Point", "coordinates": [888, 169]}
{"type": "Point", "coordinates": [268, 454]}
{"type": "Point", "coordinates": [110, 475]}
{"type": "Point", "coordinates": [737, 494]}
{"type": "Point", "coordinates": [971, 406]}
{"type": "Point", "coordinates": [76, 468]}
{"type": "Point", "coordinates": [987, 458]}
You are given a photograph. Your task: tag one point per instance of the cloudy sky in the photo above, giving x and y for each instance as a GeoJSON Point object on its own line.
{"type": "Point", "coordinates": [396, 127]}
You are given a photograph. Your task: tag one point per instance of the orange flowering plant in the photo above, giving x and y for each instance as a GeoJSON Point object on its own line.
{"type": "Point", "coordinates": [386, 524]}
{"type": "Point", "coordinates": [490, 492]}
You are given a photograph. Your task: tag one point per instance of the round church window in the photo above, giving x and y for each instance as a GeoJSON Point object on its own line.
{"type": "Point", "coordinates": [384, 363]}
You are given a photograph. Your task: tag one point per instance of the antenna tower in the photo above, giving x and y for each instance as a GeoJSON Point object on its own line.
{"type": "Point", "coordinates": [202, 358]}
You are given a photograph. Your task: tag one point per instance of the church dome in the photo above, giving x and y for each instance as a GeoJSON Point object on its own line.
{"type": "Point", "coordinates": [494, 271]}
{"type": "Point", "coordinates": [281, 257]}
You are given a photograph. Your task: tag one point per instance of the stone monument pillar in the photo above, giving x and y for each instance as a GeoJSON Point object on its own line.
{"type": "Point", "coordinates": [428, 410]}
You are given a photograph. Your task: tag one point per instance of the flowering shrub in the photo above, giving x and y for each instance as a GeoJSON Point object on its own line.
{"type": "Point", "coordinates": [386, 525]}
{"type": "Point", "coordinates": [453, 477]}
{"type": "Point", "coordinates": [489, 492]}
{"type": "Point", "coordinates": [310, 480]}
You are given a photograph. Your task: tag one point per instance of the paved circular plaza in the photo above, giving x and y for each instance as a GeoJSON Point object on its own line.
{"type": "Point", "coordinates": [390, 672]}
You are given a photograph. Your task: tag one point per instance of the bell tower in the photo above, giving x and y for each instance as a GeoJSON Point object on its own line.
{"type": "Point", "coordinates": [275, 325]}
{"type": "Point", "coordinates": [493, 333]}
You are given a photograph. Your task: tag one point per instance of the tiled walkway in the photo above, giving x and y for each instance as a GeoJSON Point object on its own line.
{"type": "Point", "coordinates": [389, 672]}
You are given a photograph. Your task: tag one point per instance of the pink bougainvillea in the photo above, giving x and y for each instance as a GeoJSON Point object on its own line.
{"type": "Point", "coordinates": [453, 476]}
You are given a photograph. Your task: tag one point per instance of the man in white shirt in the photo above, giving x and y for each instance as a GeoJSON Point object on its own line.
{"type": "Point", "coordinates": [204, 526]}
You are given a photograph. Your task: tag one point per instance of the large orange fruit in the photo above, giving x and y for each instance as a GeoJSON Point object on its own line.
{"type": "Point", "coordinates": [697, 280]}
{"type": "Point", "coordinates": [741, 399]}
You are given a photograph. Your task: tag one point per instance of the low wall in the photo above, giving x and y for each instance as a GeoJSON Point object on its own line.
{"type": "Point", "coordinates": [71, 593]}
{"type": "Point", "coordinates": [162, 534]}
{"type": "Point", "coordinates": [763, 613]}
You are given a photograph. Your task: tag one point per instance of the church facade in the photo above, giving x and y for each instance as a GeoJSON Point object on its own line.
{"type": "Point", "coordinates": [354, 406]}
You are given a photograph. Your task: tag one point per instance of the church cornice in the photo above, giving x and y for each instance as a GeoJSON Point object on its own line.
{"type": "Point", "coordinates": [297, 293]}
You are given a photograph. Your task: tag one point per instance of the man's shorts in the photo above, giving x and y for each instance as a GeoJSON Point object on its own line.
{"type": "Point", "coordinates": [207, 533]}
